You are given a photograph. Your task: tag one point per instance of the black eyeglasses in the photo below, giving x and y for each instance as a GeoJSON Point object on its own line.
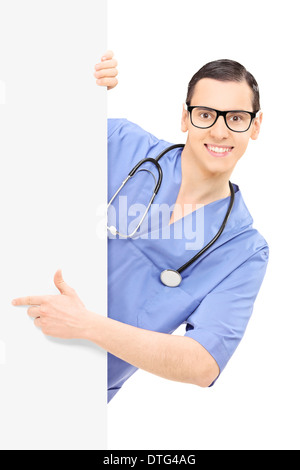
{"type": "Point", "coordinates": [236, 120]}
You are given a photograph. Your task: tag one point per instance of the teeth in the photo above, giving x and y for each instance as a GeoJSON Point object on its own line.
{"type": "Point", "coordinates": [218, 149]}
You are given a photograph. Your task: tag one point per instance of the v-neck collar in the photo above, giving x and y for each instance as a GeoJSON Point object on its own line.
{"type": "Point", "coordinates": [214, 212]}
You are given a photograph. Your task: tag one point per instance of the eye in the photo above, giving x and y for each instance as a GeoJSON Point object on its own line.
{"type": "Point", "coordinates": [203, 114]}
{"type": "Point", "coordinates": [203, 117]}
{"type": "Point", "coordinates": [237, 117]}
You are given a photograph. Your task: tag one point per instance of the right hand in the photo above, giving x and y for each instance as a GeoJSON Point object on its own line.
{"type": "Point", "coordinates": [106, 71]}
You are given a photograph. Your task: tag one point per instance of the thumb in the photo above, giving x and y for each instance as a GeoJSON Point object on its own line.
{"type": "Point", "coordinates": [61, 285]}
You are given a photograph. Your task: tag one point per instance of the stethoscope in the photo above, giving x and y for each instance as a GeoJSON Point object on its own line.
{"type": "Point", "coordinates": [169, 277]}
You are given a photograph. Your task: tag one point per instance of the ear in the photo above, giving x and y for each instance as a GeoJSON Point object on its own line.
{"type": "Point", "coordinates": [256, 127]}
{"type": "Point", "coordinates": [184, 119]}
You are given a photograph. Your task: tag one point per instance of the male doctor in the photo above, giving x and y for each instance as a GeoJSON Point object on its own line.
{"type": "Point", "coordinates": [205, 176]}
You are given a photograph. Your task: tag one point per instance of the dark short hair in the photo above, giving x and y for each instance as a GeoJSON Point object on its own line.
{"type": "Point", "coordinates": [225, 70]}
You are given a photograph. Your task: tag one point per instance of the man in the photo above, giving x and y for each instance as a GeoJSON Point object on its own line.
{"type": "Point", "coordinates": [216, 297]}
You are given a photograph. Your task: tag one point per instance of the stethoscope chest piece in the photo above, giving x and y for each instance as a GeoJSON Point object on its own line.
{"type": "Point", "coordinates": [170, 278]}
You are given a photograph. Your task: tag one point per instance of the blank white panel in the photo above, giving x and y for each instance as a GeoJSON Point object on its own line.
{"type": "Point", "coordinates": [52, 182]}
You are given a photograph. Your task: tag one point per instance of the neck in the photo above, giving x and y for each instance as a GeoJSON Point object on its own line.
{"type": "Point", "coordinates": [198, 184]}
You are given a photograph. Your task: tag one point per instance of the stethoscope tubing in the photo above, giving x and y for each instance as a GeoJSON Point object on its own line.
{"type": "Point", "coordinates": [175, 274]}
{"type": "Point", "coordinates": [213, 240]}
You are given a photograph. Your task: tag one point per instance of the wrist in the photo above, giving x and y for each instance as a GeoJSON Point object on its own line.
{"type": "Point", "coordinates": [91, 325]}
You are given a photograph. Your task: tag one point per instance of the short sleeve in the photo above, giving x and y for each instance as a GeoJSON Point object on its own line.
{"type": "Point", "coordinates": [128, 143]}
{"type": "Point", "coordinates": [113, 125]}
{"type": "Point", "coordinates": [220, 321]}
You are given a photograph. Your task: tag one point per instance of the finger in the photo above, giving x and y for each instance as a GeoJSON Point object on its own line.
{"type": "Point", "coordinates": [37, 322]}
{"type": "Point", "coordinates": [106, 73]}
{"type": "Point", "coordinates": [61, 285]}
{"type": "Point", "coordinates": [107, 64]}
{"type": "Point", "coordinates": [109, 82]}
{"type": "Point", "coordinates": [30, 300]}
{"type": "Point", "coordinates": [107, 55]}
{"type": "Point", "coordinates": [34, 312]}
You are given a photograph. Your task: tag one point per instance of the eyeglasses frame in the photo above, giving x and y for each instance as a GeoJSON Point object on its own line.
{"type": "Point", "coordinates": [221, 113]}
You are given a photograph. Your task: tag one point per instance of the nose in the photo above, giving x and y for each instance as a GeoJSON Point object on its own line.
{"type": "Point", "coordinates": [219, 130]}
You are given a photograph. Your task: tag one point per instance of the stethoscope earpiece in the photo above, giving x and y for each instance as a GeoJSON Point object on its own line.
{"type": "Point", "coordinates": [112, 230]}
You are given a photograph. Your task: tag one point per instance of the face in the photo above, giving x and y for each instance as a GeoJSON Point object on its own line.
{"type": "Point", "coordinates": [223, 96]}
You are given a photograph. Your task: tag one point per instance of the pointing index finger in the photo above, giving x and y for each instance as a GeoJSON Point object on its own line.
{"type": "Point", "coordinates": [29, 300]}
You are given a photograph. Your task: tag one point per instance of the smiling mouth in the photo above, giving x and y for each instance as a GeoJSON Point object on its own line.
{"type": "Point", "coordinates": [218, 151]}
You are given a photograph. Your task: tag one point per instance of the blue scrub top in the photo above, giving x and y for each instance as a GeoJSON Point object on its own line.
{"type": "Point", "coordinates": [216, 296]}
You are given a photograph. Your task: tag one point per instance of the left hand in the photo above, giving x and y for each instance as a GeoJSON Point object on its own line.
{"type": "Point", "coordinates": [62, 316]}
{"type": "Point", "coordinates": [106, 71]}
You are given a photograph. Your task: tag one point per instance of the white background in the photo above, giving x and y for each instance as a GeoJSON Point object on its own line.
{"type": "Point", "coordinates": [159, 46]}
{"type": "Point", "coordinates": [52, 180]}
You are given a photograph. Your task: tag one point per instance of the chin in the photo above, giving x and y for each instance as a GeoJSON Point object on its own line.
{"type": "Point", "coordinates": [219, 167]}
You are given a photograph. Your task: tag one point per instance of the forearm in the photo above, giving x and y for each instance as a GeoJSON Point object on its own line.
{"type": "Point", "coordinates": [173, 357]}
